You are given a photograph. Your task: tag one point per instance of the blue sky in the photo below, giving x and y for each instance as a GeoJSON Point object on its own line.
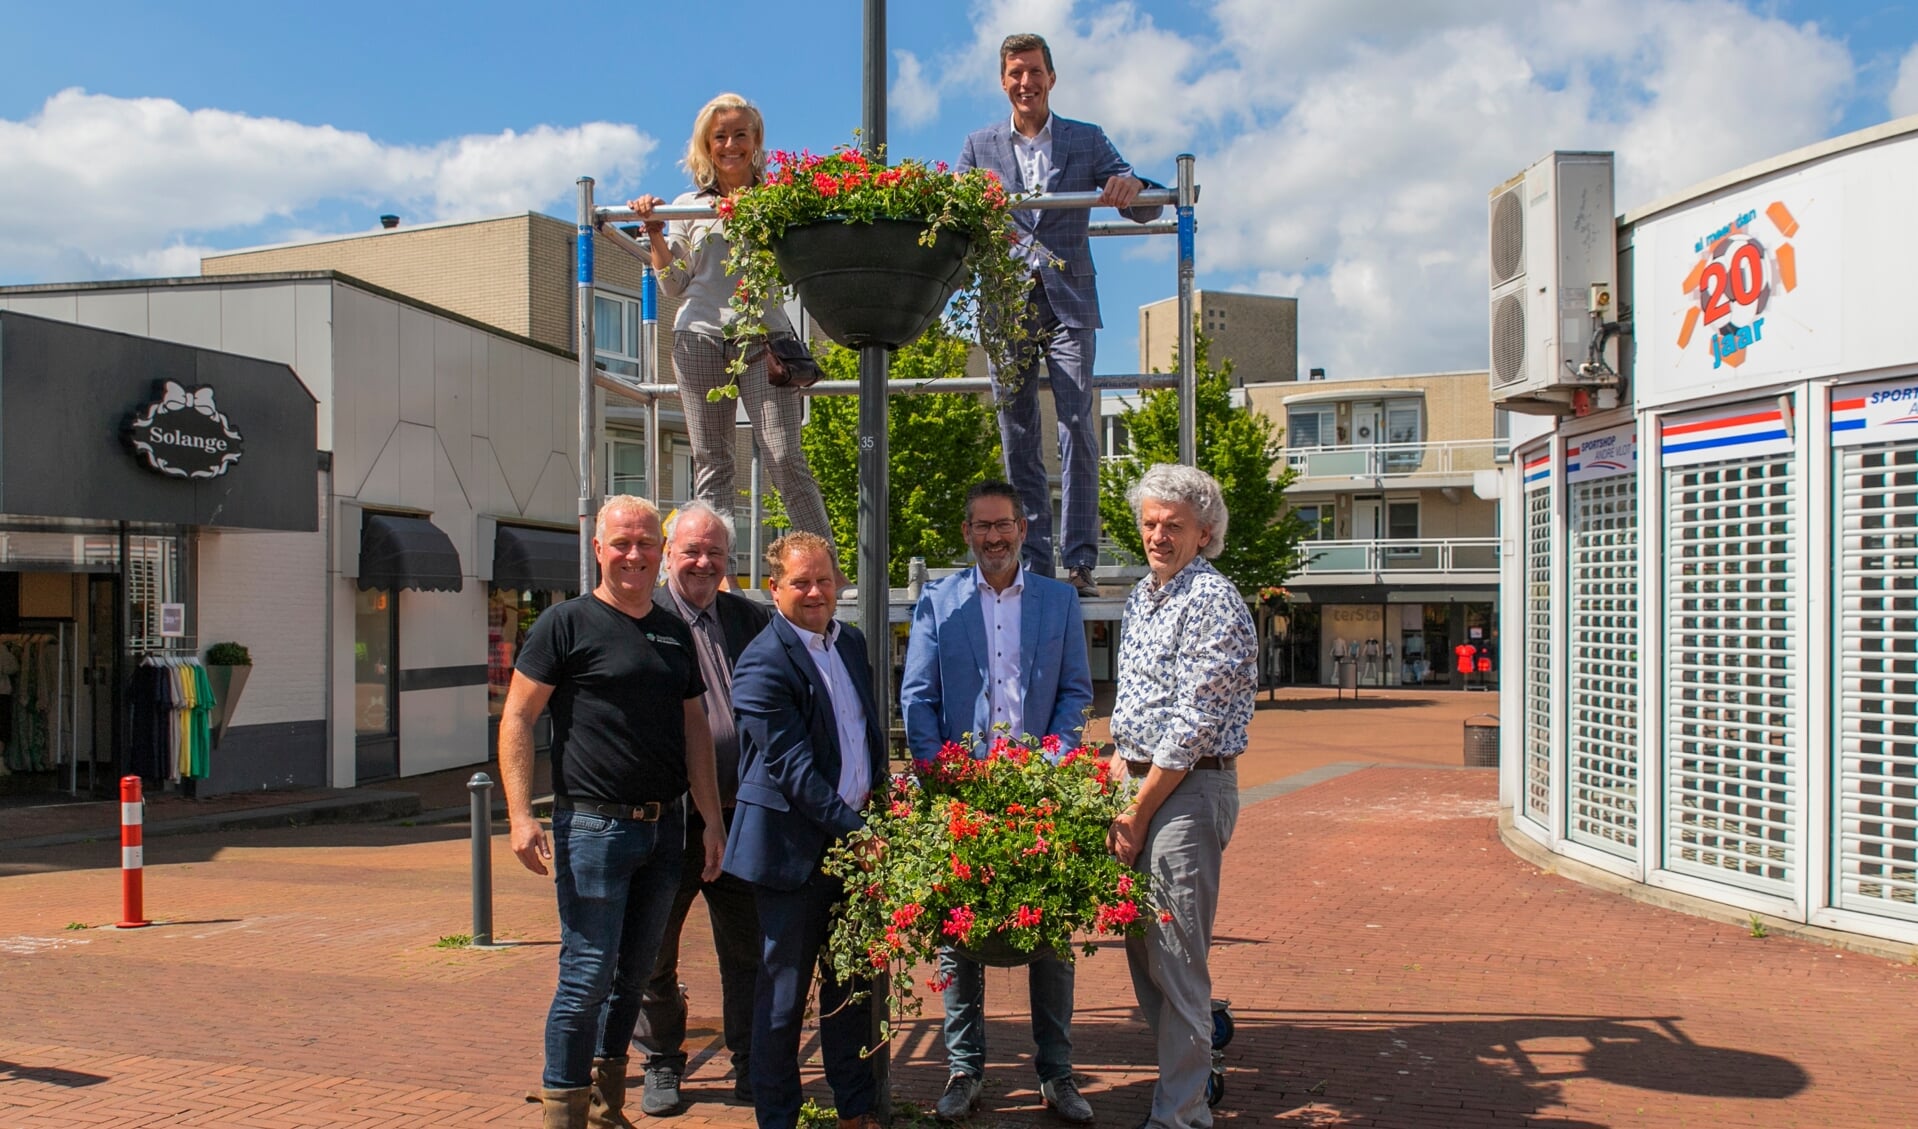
{"type": "Point", "coordinates": [1345, 146]}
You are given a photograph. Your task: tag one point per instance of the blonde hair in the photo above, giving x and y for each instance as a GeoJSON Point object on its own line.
{"type": "Point", "coordinates": [699, 155]}
{"type": "Point", "coordinates": [644, 507]}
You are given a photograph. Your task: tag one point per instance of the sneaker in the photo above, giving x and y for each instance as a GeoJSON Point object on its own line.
{"type": "Point", "coordinates": [661, 1098]}
{"type": "Point", "coordinates": [962, 1093]}
{"type": "Point", "coordinates": [1066, 1103]}
{"type": "Point", "coordinates": [1081, 580]}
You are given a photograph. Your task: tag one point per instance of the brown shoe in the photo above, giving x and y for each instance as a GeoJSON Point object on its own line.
{"type": "Point", "coordinates": [1081, 580]}
{"type": "Point", "coordinates": [863, 1121]}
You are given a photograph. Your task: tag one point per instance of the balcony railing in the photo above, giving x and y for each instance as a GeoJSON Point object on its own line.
{"type": "Point", "coordinates": [1443, 555]}
{"type": "Point", "coordinates": [1395, 460]}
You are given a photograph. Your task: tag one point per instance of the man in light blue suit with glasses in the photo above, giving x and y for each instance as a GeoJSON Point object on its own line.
{"type": "Point", "coordinates": [996, 649]}
{"type": "Point", "coordinates": [1035, 152]}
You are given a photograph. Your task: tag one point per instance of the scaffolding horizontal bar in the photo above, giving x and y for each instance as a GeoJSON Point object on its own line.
{"type": "Point", "coordinates": [1126, 227]}
{"type": "Point", "coordinates": [1057, 201]}
{"type": "Point", "coordinates": [1113, 382]}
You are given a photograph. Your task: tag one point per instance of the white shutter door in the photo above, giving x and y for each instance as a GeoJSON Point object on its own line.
{"type": "Point", "coordinates": [1601, 800]}
{"type": "Point", "coordinates": [1539, 656]}
{"type": "Point", "coordinates": [1876, 853]}
{"type": "Point", "coordinates": [1732, 625]}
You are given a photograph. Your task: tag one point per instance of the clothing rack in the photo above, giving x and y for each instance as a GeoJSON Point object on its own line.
{"type": "Point", "coordinates": [171, 731]}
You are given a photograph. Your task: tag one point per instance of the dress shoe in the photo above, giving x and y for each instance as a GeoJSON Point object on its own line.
{"type": "Point", "coordinates": [1066, 1103]}
{"type": "Point", "coordinates": [962, 1093]}
{"type": "Point", "coordinates": [1081, 580]}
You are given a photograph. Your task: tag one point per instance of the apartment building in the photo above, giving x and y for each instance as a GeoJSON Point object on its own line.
{"type": "Point", "coordinates": [1258, 333]}
{"type": "Point", "coordinates": [1396, 477]}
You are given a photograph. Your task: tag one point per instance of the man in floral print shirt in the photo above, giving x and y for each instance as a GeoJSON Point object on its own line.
{"type": "Point", "coordinates": [1188, 674]}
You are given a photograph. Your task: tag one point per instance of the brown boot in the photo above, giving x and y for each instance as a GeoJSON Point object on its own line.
{"type": "Point", "coordinates": [607, 1110]}
{"type": "Point", "coordinates": [564, 1109]}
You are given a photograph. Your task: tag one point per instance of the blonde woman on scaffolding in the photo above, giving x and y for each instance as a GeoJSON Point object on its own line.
{"type": "Point", "coordinates": [727, 153]}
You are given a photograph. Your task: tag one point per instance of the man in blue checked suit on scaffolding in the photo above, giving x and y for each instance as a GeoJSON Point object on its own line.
{"type": "Point", "coordinates": [1036, 152]}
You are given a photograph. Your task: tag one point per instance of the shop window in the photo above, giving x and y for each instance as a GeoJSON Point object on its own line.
{"type": "Point", "coordinates": [1601, 778]}
{"type": "Point", "coordinates": [1875, 847]}
{"type": "Point", "coordinates": [1539, 656]}
{"type": "Point", "coordinates": [1732, 690]}
{"type": "Point", "coordinates": [510, 614]}
{"type": "Point", "coordinates": [1311, 427]}
{"type": "Point", "coordinates": [616, 336]}
{"type": "Point", "coordinates": [375, 673]}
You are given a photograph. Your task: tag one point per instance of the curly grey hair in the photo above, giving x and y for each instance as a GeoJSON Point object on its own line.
{"type": "Point", "coordinates": [1173, 482]}
{"type": "Point", "coordinates": [701, 506]}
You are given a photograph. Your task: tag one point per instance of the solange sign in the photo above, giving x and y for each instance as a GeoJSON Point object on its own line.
{"type": "Point", "coordinates": [182, 434]}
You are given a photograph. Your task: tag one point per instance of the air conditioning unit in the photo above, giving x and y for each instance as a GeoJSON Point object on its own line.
{"type": "Point", "coordinates": [1553, 252]}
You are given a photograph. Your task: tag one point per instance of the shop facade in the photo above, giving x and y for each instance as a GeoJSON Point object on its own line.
{"type": "Point", "coordinates": [1715, 587]}
{"type": "Point", "coordinates": [438, 478]}
{"type": "Point", "coordinates": [1396, 481]}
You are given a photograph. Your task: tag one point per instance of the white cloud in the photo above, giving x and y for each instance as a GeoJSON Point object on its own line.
{"type": "Point", "coordinates": [130, 186]}
{"type": "Point", "coordinates": [1347, 146]}
{"type": "Point", "coordinates": [1904, 94]}
{"type": "Point", "coordinates": [913, 95]}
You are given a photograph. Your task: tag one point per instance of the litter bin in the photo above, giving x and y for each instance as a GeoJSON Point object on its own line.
{"type": "Point", "coordinates": [1481, 741]}
{"type": "Point", "coordinates": [1348, 677]}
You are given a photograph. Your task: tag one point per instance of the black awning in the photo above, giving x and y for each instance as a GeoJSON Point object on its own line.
{"type": "Point", "coordinates": [407, 552]}
{"type": "Point", "coordinates": [535, 559]}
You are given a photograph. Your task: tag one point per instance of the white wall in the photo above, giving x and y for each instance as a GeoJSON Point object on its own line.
{"type": "Point", "coordinates": [268, 591]}
{"type": "Point", "coordinates": [436, 416]}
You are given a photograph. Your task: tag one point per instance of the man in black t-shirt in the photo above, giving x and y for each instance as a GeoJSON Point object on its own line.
{"type": "Point", "coordinates": [629, 741]}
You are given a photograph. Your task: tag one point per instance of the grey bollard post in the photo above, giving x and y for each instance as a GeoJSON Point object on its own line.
{"type": "Point", "coordinates": [481, 786]}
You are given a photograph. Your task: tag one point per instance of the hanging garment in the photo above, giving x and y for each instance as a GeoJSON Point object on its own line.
{"type": "Point", "coordinates": [202, 727]}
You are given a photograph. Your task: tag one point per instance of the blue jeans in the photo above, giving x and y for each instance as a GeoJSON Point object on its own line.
{"type": "Point", "coordinates": [1051, 995]}
{"type": "Point", "coordinates": [616, 879]}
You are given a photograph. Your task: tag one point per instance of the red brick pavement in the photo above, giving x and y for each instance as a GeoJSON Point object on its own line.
{"type": "Point", "coordinates": [1391, 964]}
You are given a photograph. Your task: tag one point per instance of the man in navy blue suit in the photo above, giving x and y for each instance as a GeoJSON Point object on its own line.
{"type": "Point", "coordinates": [996, 649]}
{"type": "Point", "coordinates": [813, 756]}
{"type": "Point", "coordinates": [1036, 152]}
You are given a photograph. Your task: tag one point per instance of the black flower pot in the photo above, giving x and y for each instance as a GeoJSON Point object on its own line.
{"type": "Point", "coordinates": [998, 952]}
{"type": "Point", "coordinates": [871, 283]}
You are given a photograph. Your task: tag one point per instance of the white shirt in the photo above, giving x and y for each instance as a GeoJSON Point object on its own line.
{"type": "Point", "coordinates": [1005, 689]}
{"type": "Point", "coordinates": [1035, 157]}
{"type": "Point", "coordinates": [855, 775]}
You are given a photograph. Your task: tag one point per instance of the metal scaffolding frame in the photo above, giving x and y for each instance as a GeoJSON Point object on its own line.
{"type": "Point", "coordinates": [649, 388]}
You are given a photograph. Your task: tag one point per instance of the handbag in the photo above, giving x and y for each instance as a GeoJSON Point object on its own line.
{"type": "Point", "coordinates": [789, 362]}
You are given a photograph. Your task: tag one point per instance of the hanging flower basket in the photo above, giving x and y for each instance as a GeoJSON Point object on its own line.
{"type": "Point", "coordinates": [999, 952]}
{"type": "Point", "coordinates": [876, 283]}
{"type": "Point", "coordinates": [877, 252]}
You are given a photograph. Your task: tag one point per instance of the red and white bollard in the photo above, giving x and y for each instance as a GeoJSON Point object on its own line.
{"type": "Point", "coordinates": [132, 853]}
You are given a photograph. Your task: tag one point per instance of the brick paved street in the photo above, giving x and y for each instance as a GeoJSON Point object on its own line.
{"type": "Point", "coordinates": [1391, 964]}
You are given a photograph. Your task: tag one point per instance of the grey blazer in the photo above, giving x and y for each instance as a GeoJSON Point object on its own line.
{"type": "Point", "coordinates": [1082, 161]}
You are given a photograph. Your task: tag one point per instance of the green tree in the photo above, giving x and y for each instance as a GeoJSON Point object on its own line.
{"type": "Point", "coordinates": [1238, 447]}
{"type": "Point", "coordinates": [939, 443]}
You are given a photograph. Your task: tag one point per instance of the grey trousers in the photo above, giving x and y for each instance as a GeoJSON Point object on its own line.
{"type": "Point", "coordinates": [1184, 849]}
{"type": "Point", "coordinates": [699, 364]}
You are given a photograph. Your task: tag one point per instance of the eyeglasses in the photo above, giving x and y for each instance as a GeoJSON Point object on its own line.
{"type": "Point", "coordinates": [1004, 528]}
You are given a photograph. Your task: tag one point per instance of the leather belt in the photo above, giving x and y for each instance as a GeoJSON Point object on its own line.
{"type": "Point", "coordinates": [649, 812]}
